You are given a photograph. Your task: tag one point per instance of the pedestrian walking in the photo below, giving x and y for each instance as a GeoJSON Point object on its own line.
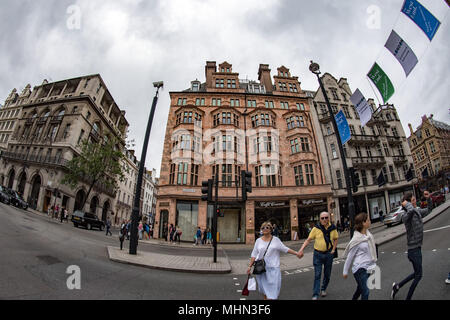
{"type": "Point", "coordinates": [108, 226]}
{"type": "Point", "coordinates": [66, 215]}
{"type": "Point", "coordinates": [62, 214]}
{"type": "Point", "coordinates": [381, 213]}
{"type": "Point", "coordinates": [208, 236]}
{"type": "Point", "coordinates": [165, 231]}
{"type": "Point", "coordinates": [171, 233]}
{"type": "Point", "coordinates": [140, 230]}
{"type": "Point", "coordinates": [128, 229]}
{"type": "Point", "coordinates": [179, 232]}
{"type": "Point", "coordinates": [325, 238]}
{"type": "Point", "coordinates": [268, 248]}
{"type": "Point", "coordinates": [204, 236]}
{"type": "Point", "coordinates": [361, 254]}
{"type": "Point", "coordinates": [198, 237]}
{"type": "Point", "coordinates": [413, 222]}
{"type": "Point", "coordinates": [122, 233]}
{"type": "Point", "coordinates": [429, 201]}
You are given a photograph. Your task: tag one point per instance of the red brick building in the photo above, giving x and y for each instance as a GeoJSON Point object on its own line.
{"type": "Point", "coordinates": [226, 125]}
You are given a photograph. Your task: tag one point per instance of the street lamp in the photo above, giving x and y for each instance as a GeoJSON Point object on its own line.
{"type": "Point", "coordinates": [315, 68]}
{"type": "Point", "coordinates": [137, 199]}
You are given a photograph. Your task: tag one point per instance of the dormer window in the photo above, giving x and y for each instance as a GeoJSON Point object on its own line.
{"type": "Point", "coordinates": [195, 86]}
{"type": "Point", "coordinates": [256, 88]}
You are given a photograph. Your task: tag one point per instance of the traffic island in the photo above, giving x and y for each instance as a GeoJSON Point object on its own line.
{"type": "Point", "coordinates": [190, 264]}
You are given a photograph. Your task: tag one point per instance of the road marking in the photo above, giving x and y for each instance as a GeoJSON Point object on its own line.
{"type": "Point", "coordinates": [237, 284]}
{"type": "Point", "coordinates": [434, 250]}
{"type": "Point", "coordinates": [235, 278]}
{"type": "Point", "coordinates": [394, 252]}
{"type": "Point", "coordinates": [242, 299]}
{"type": "Point", "coordinates": [239, 291]}
{"type": "Point", "coordinates": [431, 230]}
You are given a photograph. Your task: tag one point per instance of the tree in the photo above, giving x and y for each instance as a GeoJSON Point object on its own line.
{"type": "Point", "coordinates": [98, 163]}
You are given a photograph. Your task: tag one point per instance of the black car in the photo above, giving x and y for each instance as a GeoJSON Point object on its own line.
{"type": "Point", "coordinates": [16, 199]}
{"type": "Point", "coordinates": [87, 220]}
{"type": "Point", "coordinates": [5, 197]}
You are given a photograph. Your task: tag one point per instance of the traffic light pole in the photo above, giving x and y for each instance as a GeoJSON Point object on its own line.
{"type": "Point", "coordinates": [216, 200]}
{"type": "Point", "coordinates": [351, 204]}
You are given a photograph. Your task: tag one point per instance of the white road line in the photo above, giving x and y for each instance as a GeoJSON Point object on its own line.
{"type": "Point", "coordinates": [434, 250]}
{"type": "Point", "coordinates": [237, 284]}
{"type": "Point", "coordinates": [431, 230]}
{"type": "Point", "coordinates": [394, 252]}
{"type": "Point", "coordinates": [235, 278]}
{"type": "Point", "coordinates": [239, 291]}
{"type": "Point", "coordinates": [242, 299]}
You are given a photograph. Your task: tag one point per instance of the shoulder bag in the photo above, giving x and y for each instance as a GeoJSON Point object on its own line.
{"type": "Point", "coordinates": [259, 266]}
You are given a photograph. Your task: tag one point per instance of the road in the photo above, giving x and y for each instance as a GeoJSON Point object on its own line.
{"type": "Point", "coordinates": [36, 252]}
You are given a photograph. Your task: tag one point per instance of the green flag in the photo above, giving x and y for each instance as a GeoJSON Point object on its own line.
{"type": "Point", "coordinates": [382, 82]}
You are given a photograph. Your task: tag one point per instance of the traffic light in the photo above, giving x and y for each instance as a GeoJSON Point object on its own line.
{"type": "Point", "coordinates": [207, 190]}
{"type": "Point", "coordinates": [354, 177]}
{"type": "Point", "coordinates": [220, 213]}
{"type": "Point", "coordinates": [246, 183]}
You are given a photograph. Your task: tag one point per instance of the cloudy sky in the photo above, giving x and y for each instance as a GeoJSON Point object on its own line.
{"type": "Point", "coordinates": [133, 43]}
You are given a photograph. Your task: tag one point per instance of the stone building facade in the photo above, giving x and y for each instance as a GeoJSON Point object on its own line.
{"type": "Point", "coordinates": [430, 147]}
{"type": "Point", "coordinates": [225, 125]}
{"type": "Point", "coordinates": [380, 146]}
{"type": "Point", "coordinates": [55, 118]}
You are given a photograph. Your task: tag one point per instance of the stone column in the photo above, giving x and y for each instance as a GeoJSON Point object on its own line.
{"type": "Point", "coordinates": [40, 202]}
{"type": "Point", "coordinates": [202, 218]}
{"type": "Point", "coordinates": [250, 222]}
{"type": "Point", "coordinates": [294, 219]}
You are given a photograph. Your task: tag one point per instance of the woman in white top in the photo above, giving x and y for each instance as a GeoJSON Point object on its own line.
{"type": "Point", "coordinates": [361, 251]}
{"type": "Point", "coordinates": [269, 282]}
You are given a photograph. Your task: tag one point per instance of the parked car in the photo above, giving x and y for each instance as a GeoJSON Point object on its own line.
{"type": "Point", "coordinates": [16, 199]}
{"type": "Point", "coordinates": [87, 220]}
{"type": "Point", "coordinates": [394, 216]}
{"type": "Point", "coordinates": [438, 198]}
{"type": "Point", "coordinates": [5, 197]}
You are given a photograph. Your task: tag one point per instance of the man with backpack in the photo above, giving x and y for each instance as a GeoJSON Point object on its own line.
{"type": "Point", "coordinates": [325, 237]}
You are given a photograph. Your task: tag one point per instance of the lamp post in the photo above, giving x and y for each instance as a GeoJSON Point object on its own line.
{"type": "Point", "coordinates": [137, 197]}
{"type": "Point", "coordinates": [315, 68]}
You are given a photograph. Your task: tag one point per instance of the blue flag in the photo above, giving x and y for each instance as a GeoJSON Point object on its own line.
{"type": "Point", "coordinates": [423, 18]}
{"type": "Point", "coordinates": [343, 127]}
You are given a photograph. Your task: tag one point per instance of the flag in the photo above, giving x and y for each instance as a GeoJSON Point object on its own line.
{"type": "Point", "coordinates": [381, 180]}
{"type": "Point", "coordinates": [362, 107]}
{"type": "Point", "coordinates": [423, 18]}
{"type": "Point", "coordinates": [402, 52]}
{"type": "Point", "coordinates": [425, 173]}
{"type": "Point", "coordinates": [382, 82]}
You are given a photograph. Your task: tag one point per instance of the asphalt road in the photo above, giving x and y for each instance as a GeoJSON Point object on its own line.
{"type": "Point", "coordinates": [36, 252]}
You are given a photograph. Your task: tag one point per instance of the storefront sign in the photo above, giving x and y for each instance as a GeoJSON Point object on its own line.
{"type": "Point", "coordinates": [310, 202]}
{"type": "Point", "coordinates": [189, 190]}
{"type": "Point", "coordinates": [164, 204]}
{"type": "Point", "coordinates": [271, 204]}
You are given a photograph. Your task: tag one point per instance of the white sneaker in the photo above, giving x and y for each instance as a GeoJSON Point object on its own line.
{"type": "Point", "coordinates": [447, 281]}
{"type": "Point", "coordinates": [315, 298]}
{"type": "Point", "coordinates": [323, 294]}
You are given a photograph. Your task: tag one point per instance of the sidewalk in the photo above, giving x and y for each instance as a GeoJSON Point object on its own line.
{"type": "Point", "coordinates": [195, 264]}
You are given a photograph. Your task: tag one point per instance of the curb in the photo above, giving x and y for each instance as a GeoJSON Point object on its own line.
{"type": "Point", "coordinates": [201, 270]}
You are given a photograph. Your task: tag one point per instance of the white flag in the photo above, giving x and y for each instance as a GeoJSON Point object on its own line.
{"type": "Point", "coordinates": [362, 107]}
{"type": "Point", "coordinates": [402, 52]}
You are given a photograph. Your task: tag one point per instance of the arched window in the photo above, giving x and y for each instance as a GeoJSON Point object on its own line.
{"type": "Point", "coordinates": [95, 127]}
{"type": "Point", "coordinates": [62, 112]}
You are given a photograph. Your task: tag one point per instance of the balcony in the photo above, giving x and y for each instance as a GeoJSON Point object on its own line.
{"type": "Point", "coordinates": [36, 159]}
{"type": "Point", "coordinates": [324, 117]}
{"type": "Point", "coordinates": [394, 141]}
{"type": "Point", "coordinates": [400, 160]}
{"type": "Point", "coordinates": [363, 140]}
{"type": "Point", "coordinates": [123, 204]}
{"type": "Point", "coordinates": [94, 134]}
{"type": "Point", "coordinates": [365, 163]}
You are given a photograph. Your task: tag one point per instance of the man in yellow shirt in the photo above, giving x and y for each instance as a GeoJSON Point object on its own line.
{"type": "Point", "coordinates": [325, 239]}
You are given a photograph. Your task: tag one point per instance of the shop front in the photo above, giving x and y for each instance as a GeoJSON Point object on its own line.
{"type": "Point", "coordinates": [360, 206]}
{"type": "Point", "coordinates": [396, 196]}
{"type": "Point", "coordinates": [377, 205]}
{"type": "Point", "coordinates": [309, 215]}
{"type": "Point", "coordinates": [278, 213]}
{"type": "Point", "coordinates": [231, 226]}
{"type": "Point", "coordinates": [186, 219]}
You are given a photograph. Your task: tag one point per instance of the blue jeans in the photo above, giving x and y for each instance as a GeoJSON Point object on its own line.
{"type": "Point", "coordinates": [361, 277]}
{"type": "Point", "coordinates": [415, 256]}
{"type": "Point", "coordinates": [319, 260]}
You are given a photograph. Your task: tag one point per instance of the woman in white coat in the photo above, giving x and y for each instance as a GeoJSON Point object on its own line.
{"type": "Point", "coordinates": [269, 282]}
{"type": "Point", "coordinates": [361, 255]}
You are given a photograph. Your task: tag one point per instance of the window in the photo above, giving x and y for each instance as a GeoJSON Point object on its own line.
{"type": "Point", "coordinates": [385, 174]}
{"type": "Point", "coordinates": [374, 175]}
{"type": "Point", "coordinates": [200, 102]}
{"type": "Point", "coordinates": [259, 176]}
{"type": "Point", "coordinates": [391, 169]}
{"type": "Point", "coordinates": [362, 130]}
{"type": "Point", "coordinates": [220, 83]}
{"type": "Point", "coordinates": [298, 173]}
{"type": "Point", "coordinates": [352, 130]}
{"type": "Point", "coordinates": [386, 149]}
{"type": "Point", "coordinates": [195, 86]}
{"type": "Point", "coordinates": [364, 178]}
{"type": "Point", "coordinates": [66, 131]}
{"type": "Point", "coordinates": [305, 144]}
{"type": "Point", "coordinates": [234, 103]}
{"type": "Point", "coordinates": [300, 106]}
{"type": "Point", "coordinates": [217, 102]}
{"type": "Point", "coordinates": [269, 104]}
{"type": "Point", "coordinates": [395, 132]}
{"type": "Point", "coordinates": [271, 175]}
{"type": "Point", "coordinates": [427, 132]}
{"type": "Point", "coordinates": [284, 105]}
{"type": "Point", "coordinates": [182, 101]}
{"type": "Point", "coordinates": [309, 172]}
{"type": "Point", "coordinates": [358, 151]}
{"type": "Point", "coordinates": [194, 175]}
{"type": "Point", "coordinates": [333, 151]}
{"type": "Point", "coordinates": [295, 122]}
{"type": "Point", "coordinates": [251, 103]}
{"type": "Point", "coordinates": [295, 147]}
{"type": "Point", "coordinates": [227, 175]}
{"type": "Point", "coordinates": [432, 147]}
{"type": "Point", "coordinates": [346, 112]}
{"type": "Point", "coordinates": [81, 136]}
{"type": "Point", "coordinates": [344, 96]}
{"type": "Point", "coordinates": [334, 93]}
{"type": "Point", "coordinates": [182, 173]}
{"type": "Point", "coordinates": [369, 152]}
{"type": "Point", "coordinates": [339, 179]}
{"type": "Point", "coordinates": [380, 153]}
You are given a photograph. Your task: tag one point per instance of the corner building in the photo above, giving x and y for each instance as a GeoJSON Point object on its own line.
{"type": "Point", "coordinates": [225, 125]}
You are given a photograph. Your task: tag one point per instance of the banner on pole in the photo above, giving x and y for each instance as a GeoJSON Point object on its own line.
{"type": "Point", "coordinates": [402, 52]}
{"type": "Point", "coordinates": [362, 107]}
{"type": "Point", "coordinates": [343, 127]}
{"type": "Point", "coordinates": [423, 18]}
{"type": "Point", "coordinates": [382, 82]}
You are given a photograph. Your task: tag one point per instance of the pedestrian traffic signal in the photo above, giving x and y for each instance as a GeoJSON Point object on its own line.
{"type": "Point", "coordinates": [207, 190]}
{"type": "Point", "coordinates": [246, 181]}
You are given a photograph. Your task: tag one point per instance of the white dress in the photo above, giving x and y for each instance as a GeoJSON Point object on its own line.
{"type": "Point", "coordinates": [269, 283]}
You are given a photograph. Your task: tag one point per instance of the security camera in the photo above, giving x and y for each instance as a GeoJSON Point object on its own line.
{"type": "Point", "coordinates": [158, 84]}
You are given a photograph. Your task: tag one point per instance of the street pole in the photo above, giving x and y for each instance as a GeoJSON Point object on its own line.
{"type": "Point", "coordinates": [314, 68]}
{"type": "Point", "coordinates": [216, 199]}
{"type": "Point", "coordinates": [137, 197]}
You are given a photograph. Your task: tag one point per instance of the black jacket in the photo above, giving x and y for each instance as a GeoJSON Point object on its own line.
{"type": "Point", "coordinates": [414, 225]}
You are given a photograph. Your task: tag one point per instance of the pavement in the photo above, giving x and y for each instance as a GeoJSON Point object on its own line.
{"type": "Point", "coordinates": [199, 263]}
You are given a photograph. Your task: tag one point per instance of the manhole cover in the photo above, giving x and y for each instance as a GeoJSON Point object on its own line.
{"type": "Point", "coordinates": [49, 259]}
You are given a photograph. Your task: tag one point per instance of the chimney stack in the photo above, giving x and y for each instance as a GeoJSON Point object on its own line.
{"type": "Point", "coordinates": [264, 77]}
{"type": "Point", "coordinates": [209, 70]}
{"type": "Point", "coordinates": [411, 128]}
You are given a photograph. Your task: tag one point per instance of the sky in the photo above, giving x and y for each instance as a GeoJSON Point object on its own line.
{"type": "Point", "coordinates": [133, 43]}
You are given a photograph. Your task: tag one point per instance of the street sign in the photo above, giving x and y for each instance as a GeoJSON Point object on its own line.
{"type": "Point", "coordinates": [344, 129]}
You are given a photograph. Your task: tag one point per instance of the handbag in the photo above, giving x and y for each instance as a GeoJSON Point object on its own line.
{"type": "Point", "coordinates": [260, 265]}
{"type": "Point", "coordinates": [245, 291]}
